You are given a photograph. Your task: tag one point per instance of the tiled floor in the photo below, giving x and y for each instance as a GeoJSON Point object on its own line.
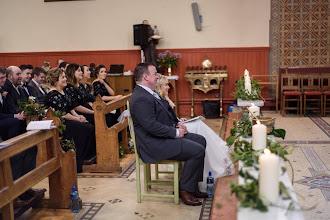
{"type": "Point", "coordinates": [115, 198]}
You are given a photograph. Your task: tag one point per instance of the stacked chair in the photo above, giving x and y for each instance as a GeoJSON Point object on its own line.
{"type": "Point", "coordinates": [290, 93]}
{"type": "Point", "coordinates": [311, 86]}
{"type": "Point", "coordinates": [325, 89]}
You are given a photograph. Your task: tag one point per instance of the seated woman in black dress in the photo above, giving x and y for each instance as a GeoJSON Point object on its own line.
{"type": "Point", "coordinates": [101, 86]}
{"type": "Point", "coordinates": [77, 127]}
{"type": "Point", "coordinates": [86, 88]}
{"type": "Point", "coordinates": [74, 75]}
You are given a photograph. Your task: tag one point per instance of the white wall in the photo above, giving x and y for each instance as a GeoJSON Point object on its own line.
{"type": "Point", "coordinates": [33, 25]}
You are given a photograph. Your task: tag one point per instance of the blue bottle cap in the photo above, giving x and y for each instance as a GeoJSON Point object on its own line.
{"type": "Point", "coordinates": [74, 188]}
{"type": "Point", "coordinates": [210, 173]}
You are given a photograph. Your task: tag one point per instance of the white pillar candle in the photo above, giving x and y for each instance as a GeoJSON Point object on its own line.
{"type": "Point", "coordinates": [269, 177]}
{"type": "Point", "coordinates": [248, 86]}
{"type": "Point", "coordinates": [246, 73]}
{"type": "Point", "coordinates": [259, 136]}
{"type": "Point", "coordinates": [254, 109]}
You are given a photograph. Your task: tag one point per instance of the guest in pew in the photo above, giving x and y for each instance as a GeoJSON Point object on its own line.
{"type": "Point", "coordinates": [13, 86]}
{"type": "Point", "coordinates": [74, 75]}
{"type": "Point", "coordinates": [63, 65]}
{"type": "Point", "coordinates": [38, 79]}
{"type": "Point", "coordinates": [216, 154]}
{"type": "Point", "coordinates": [102, 87]}
{"type": "Point", "coordinates": [26, 77]}
{"type": "Point", "coordinates": [86, 88]}
{"type": "Point", "coordinates": [160, 136]}
{"type": "Point", "coordinates": [77, 127]}
{"type": "Point", "coordinates": [11, 126]}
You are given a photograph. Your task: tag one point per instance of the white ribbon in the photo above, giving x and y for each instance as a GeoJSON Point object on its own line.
{"type": "Point", "coordinates": [123, 116]}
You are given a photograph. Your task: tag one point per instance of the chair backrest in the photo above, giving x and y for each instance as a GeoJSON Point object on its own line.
{"type": "Point", "coordinates": [310, 82]}
{"type": "Point", "coordinates": [132, 133]}
{"type": "Point", "coordinates": [290, 82]}
{"type": "Point", "coordinates": [325, 82]}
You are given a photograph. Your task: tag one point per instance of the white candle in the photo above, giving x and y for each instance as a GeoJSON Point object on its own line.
{"type": "Point", "coordinates": [269, 177]}
{"type": "Point", "coordinates": [254, 109]}
{"type": "Point", "coordinates": [259, 136]}
{"type": "Point", "coordinates": [246, 73]}
{"type": "Point", "coordinates": [248, 86]}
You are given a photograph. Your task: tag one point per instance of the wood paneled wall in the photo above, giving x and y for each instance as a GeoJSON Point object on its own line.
{"type": "Point", "coordinates": [255, 59]}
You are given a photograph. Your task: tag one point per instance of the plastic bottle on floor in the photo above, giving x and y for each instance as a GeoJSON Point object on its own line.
{"type": "Point", "coordinates": [210, 185]}
{"type": "Point", "coordinates": [74, 200]}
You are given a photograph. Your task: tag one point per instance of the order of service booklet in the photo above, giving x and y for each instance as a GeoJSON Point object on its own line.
{"type": "Point", "coordinates": [40, 125]}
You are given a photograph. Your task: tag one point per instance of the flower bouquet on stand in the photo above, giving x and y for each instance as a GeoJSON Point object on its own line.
{"type": "Point", "coordinates": [168, 60]}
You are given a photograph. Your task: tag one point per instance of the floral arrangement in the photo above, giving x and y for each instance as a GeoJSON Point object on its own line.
{"type": "Point", "coordinates": [32, 110]}
{"type": "Point", "coordinates": [168, 59]}
{"type": "Point", "coordinates": [240, 91]}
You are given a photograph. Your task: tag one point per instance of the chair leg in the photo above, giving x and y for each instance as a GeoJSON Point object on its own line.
{"type": "Point", "coordinates": [283, 106]}
{"type": "Point", "coordinates": [138, 182]}
{"type": "Point", "coordinates": [321, 105]}
{"type": "Point", "coordinates": [176, 182]}
{"type": "Point", "coordinates": [304, 105]}
{"type": "Point", "coordinates": [301, 106]}
{"type": "Point", "coordinates": [156, 172]}
{"type": "Point", "coordinates": [148, 175]}
{"type": "Point", "coordinates": [145, 179]}
{"type": "Point", "coordinates": [324, 104]}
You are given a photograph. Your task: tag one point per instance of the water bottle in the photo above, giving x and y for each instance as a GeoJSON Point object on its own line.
{"type": "Point", "coordinates": [74, 200]}
{"type": "Point", "coordinates": [210, 185]}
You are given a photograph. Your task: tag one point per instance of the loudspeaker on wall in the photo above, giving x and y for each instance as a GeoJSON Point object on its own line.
{"type": "Point", "coordinates": [197, 17]}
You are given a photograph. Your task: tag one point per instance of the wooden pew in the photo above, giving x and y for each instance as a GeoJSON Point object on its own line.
{"type": "Point", "coordinates": [59, 167]}
{"type": "Point", "coordinates": [107, 147]}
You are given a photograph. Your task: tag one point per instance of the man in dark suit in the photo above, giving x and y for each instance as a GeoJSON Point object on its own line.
{"type": "Point", "coordinates": [10, 126]}
{"type": "Point", "coordinates": [26, 77]}
{"type": "Point", "coordinates": [38, 78]}
{"type": "Point", "coordinates": [160, 136]}
{"type": "Point", "coordinates": [13, 86]}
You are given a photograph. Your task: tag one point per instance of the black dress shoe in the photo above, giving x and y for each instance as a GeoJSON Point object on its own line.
{"type": "Point", "coordinates": [200, 194]}
{"type": "Point", "coordinates": [188, 198]}
{"type": "Point", "coordinates": [32, 193]}
{"type": "Point", "coordinates": [19, 203]}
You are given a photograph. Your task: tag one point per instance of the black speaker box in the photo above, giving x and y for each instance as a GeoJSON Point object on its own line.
{"type": "Point", "coordinates": [140, 34]}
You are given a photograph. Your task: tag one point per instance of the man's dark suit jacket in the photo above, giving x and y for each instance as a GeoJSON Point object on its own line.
{"type": "Point", "coordinates": [13, 96]}
{"type": "Point", "coordinates": [37, 93]}
{"type": "Point", "coordinates": [155, 127]}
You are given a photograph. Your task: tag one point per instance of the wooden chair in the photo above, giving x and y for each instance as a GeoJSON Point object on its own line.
{"type": "Point", "coordinates": [325, 89]}
{"type": "Point", "coordinates": [147, 172]}
{"type": "Point", "coordinates": [290, 92]}
{"type": "Point", "coordinates": [264, 81]}
{"type": "Point", "coordinates": [310, 87]}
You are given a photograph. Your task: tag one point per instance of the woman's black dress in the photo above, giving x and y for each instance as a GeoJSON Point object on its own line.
{"type": "Point", "coordinates": [78, 98]}
{"type": "Point", "coordinates": [83, 134]}
{"type": "Point", "coordinates": [100, 89]}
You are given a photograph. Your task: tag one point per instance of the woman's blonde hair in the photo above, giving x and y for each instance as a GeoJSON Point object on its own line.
{"type": "Point", "coordinates": [162, 80]}
{"type": "Point", "coordinates": [52, 76]}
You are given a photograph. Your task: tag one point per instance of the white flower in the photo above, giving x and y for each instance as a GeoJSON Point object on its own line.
{"type": "Point", "coordinates": [32, 98]}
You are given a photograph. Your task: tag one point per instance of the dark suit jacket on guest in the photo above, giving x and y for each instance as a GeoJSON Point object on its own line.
{"type": "Point", "coordinates": [155, 127]}
{"type": "Point", "coordinates": [37, 93]}
{"type": "Point", "coordinates": [13, 96]}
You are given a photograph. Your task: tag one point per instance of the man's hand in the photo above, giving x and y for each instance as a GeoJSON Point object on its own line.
{"type": "Point", "coordinates": [20, 116]}
{"type": "Point", "coordinates": [182, 126]}
{"type": "Point", "coordinates": [181, 132]}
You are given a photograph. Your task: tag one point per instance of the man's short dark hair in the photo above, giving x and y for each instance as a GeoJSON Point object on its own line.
{"type": "Point", "coordinates": [24, 67]}
{"type": "Point", "coordinates": [63, 65]}
{"type": "Point", "coordinates": [2, 70]}
{"type": "Point", "coordinates": [37, 70]}
{"type": "Point", "coordinates": [140, 69]}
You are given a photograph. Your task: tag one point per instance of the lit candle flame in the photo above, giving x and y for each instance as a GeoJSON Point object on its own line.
{"type": "Point", "coordinates": [267, 151]}
{"type": "Point", "coordinates": [258, 122]}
